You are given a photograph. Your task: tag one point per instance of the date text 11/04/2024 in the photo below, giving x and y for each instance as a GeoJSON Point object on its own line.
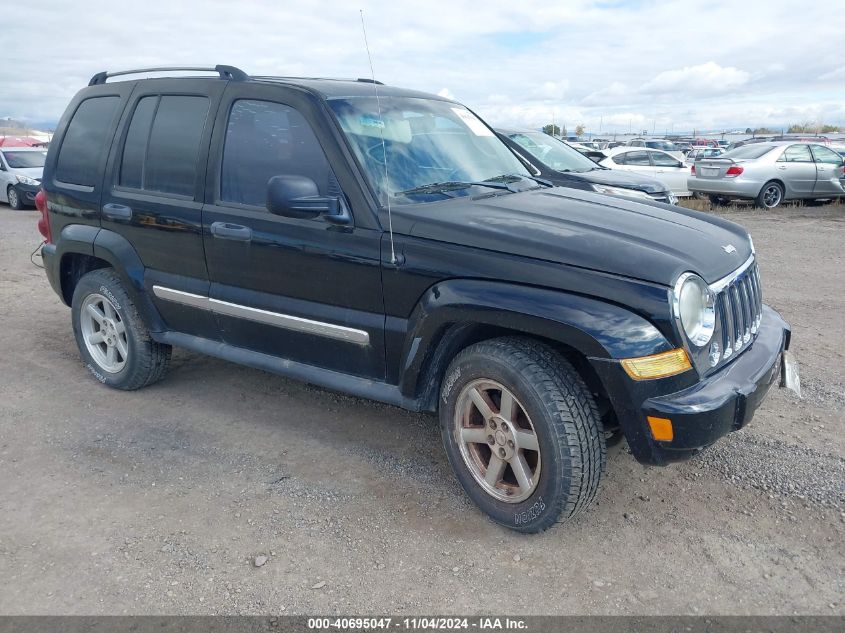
{"type": "Point", "coordinates": [418, 624]}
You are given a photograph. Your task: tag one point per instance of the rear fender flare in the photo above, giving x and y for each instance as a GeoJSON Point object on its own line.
{"type": "Point", "coordinates": [116, 250]}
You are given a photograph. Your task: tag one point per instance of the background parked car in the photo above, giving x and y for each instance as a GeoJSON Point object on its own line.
{"type": "Point", "coordinates": [702, 152]}
{"type": "Point", "coordinates": [558, 162]}
{"type": "Point", "coordinates": [658, 143]}
{"type": "Point", "coordinates": [770, 173]}
{"type": "Point", "coordinates": [20, 175]}
{"type": "Point", "coordinates": [654, 163]}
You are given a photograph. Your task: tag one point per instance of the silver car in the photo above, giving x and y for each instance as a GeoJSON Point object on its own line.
{"type": "Point", "coordinates": [770, 173]}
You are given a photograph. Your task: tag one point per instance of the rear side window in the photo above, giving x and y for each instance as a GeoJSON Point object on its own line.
{"type": "Point", "coordinates": [85, 141]}
{"type": "Point", "coordinates": [162, 144]}
{"type": "Point", "coordinates": [266, 139]}
{"type": "Point", "coordinates": [797, 154]}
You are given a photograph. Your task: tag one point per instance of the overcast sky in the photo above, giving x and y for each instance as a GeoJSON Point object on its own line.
{"type": "Point", "coordinates": [703, 64]}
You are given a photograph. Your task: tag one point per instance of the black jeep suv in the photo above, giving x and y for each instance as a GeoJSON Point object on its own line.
{"type": "Point", "coordinates": [386, 243]}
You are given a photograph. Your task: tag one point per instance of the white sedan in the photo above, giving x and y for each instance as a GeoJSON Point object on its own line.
{"type": "Point", "coordinates": [651, 162]}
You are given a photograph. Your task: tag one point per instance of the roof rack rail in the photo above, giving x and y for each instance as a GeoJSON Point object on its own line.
{"type": "Point", "coordinates": [366, 80]}
{"type": "Point", "coordinates": [225, 72]}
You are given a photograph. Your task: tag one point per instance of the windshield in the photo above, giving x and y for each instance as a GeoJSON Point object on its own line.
{"type": "Point", "coordinates": [748, 151]}
{"type": "Point", "coordinates": [22, 160]}
{"type": "Point", "coordinates": [426, 142]}
{"type": "Point", "coordinates": [554, 153]}
{"type": "Point", "coordinates": [666, 146]}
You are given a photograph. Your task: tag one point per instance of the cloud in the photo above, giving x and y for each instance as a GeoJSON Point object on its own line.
{"type": "Point", "coordinates": [580, 61]}
{"type": "Point", "coordinates": [838, 73]}
{"type": "Point", "coordinates": [446, 93]}
{"type": "Point", "coordinates": [708, 78]}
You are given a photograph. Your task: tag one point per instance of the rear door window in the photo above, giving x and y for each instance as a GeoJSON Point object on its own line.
{"type": "Point", "coordinates": [85, 141]}
{"type": "Point", "coordinates": [162, 144]}
{"type": "Point", "coordinates": [639, 158]}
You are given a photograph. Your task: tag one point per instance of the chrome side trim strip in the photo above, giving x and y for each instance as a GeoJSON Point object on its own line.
{"type": "Point", "coordinates": [719, 285]}
{"type": "Point", "coordinates": [187, 298]}
{"type": "Point", "coordinates": [286, 321]}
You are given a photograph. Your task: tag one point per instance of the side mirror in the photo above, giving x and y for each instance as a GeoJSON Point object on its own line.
{"type": "Point", "coordinates": [298, 197]}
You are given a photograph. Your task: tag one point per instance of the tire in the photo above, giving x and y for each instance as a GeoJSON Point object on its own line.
{"type": "Point", "coordinates": [14, 199]}
{"type": "Point", "coordinates": [105, 318]}
{"type": "Point", "coordinates": [770, 196]}
{"type": "Point", "coordinates": [553, 410]}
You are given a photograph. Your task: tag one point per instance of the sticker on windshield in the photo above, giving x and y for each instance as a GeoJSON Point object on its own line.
{"type": "Point", "coordinates": [472, 122]}
{"type": "Point", "coordinates": [371, 121]}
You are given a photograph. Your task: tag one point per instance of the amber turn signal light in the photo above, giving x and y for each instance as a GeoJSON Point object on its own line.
{"type": "Point", "coordinates": [660, 365]}
{"type": "Point", "coordinates": [661, 428]}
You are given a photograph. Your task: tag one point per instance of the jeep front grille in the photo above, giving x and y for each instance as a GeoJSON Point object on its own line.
{"type": "Point", "coordinates": [739, 308]}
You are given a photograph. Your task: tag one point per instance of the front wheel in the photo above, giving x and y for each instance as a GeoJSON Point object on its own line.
{"type": "Point", "coordinates": [522, 432]}
{"type": "Point", "coordinates": [770, 196]}
{"type": "Point", "coordinates": [13, 198]}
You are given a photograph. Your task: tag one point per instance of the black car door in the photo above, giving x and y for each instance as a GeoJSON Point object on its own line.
{"type": "Point", "coordinates": [155, 189]}
{"type": "Point", "coordinates": [306, 290]}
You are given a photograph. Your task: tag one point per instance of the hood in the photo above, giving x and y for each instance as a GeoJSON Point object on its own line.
{"type": "Point", "coordinates": [618, 178]}
{"type": "Point", "coordinates": [32, 172]}
{"type": "Point", "coordinates": [579, 228]}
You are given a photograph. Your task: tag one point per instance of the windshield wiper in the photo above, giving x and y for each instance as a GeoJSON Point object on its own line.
{"type": "Point", "coordinates": [453, 185]}
{"type": "Point", "coordinates": [517, 177]}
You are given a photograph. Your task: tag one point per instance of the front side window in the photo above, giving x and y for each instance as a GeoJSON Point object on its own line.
{"type": "Point", "coordinates": [84, 143]}
{"type": "Point", "coordinates": [797, 154]}
{"type": "Point", "coordinates": [554, 153]}
{"type": "Point", "coordinates": [661, 159]}
{"type": "Point", "coordinates": [162, 144]}
{"type": "Point", "coordinates": [822, 155]}
{"type": "Point", "coordinates": [266, 139]}
{"type": "Point", "coordinates": [423, 142]}
{"type": "Point", "coordinates": [25, 160]}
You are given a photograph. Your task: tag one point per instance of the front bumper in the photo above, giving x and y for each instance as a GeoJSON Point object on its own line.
{"type": "Point", "coordinates": [704, 411]}
{"type": "Point", "coordinates": [738, 187]}
{"type": "Point", "coordinates": [26, 193]}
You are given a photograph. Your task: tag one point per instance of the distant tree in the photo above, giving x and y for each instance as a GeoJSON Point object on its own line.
{"type": "Point", "coordinates": [552, 129]}
{"type": "Point", "coordinates": [579, 130]}
{"type": "Point", "coordinates": [827, 129]}
{"type": "Point", "coordinates": [748, 130]}
{"type": "Point", "coordinates": [763, 130]}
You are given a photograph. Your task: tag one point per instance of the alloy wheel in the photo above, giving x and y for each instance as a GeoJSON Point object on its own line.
{"type": "Point", "coordinates": [497, 441]}
{"type": "Point", "coordinates": [772, 196]}
{"type": "Point", "coordinates": [104, 333]}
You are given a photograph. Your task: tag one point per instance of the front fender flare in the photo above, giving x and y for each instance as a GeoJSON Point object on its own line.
{"type": "Point", "coordinates": [594, 328]}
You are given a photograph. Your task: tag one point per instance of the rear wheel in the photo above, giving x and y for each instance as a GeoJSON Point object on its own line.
{"type": "Point", "coordinates": [112, 338]}
{"type": "Point", "coordinates": [770, 196]}
{"type": "Point", "coordinates": [522, 433]}
{"type": "Point", "coordinates": [13, 198]}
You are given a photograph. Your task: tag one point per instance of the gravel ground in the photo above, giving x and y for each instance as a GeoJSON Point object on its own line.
{"type": "Point", "coordinates": [228, 490]}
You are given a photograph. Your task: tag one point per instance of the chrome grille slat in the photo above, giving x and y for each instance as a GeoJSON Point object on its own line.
{"type": "Point", "coordinates": [738, 317]}
{"type": "Point", "coordinates": [726, 318]}
{"type": "Point", "coordinates": [739, 301]}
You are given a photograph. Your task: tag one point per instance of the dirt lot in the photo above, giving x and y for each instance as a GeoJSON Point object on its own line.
{"type": "Point", "coordinates": [158, 501]}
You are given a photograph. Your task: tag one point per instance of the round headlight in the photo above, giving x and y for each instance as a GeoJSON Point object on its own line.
{"type": "Point", "coordinates": [694, 306]}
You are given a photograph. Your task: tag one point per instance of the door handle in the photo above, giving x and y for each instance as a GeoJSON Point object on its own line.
{"type": "Point", "coordinates": [781, 166]}
{"type": "Point", "coordinates": [227, 231]}
{"type": "Point", "coordinates": [117, 211]}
